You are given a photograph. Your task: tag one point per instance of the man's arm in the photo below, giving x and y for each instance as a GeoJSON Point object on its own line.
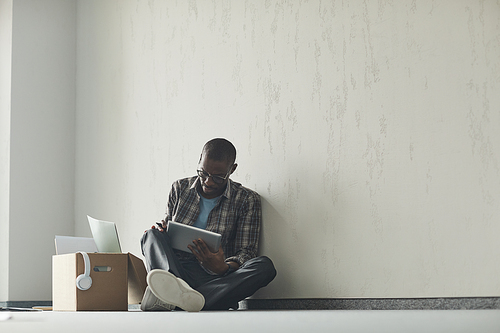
{"type": "Point", "coordinates": [246, 239]}
{"type": "Point", "coordinates": [172, 197]}
{"type": "Point", "coordinates": [247, 230]}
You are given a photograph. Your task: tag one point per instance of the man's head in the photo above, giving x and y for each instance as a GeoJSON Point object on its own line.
{"type": "Point", "coordinates": [217, 163]}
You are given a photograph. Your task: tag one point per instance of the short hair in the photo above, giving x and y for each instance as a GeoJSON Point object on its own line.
{"type": "Point", "coordinates": [219, 150]}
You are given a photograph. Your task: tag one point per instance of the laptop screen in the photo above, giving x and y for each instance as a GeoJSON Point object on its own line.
{"type": "Point", "coordinates": [105, 236]}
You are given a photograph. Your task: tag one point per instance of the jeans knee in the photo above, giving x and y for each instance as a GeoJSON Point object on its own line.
{"type": "Point", "coordinates": [152, 236]}
{"type": "Point", "coordinates": [152, 233]}
{"type": "Point", "coordinates": [267, 269]}
{"type": "Point", "coordinates": [147, 234]}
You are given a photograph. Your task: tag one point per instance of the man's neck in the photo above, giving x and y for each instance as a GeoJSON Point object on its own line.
{"type": "Point", "coordinates": [212, 196]}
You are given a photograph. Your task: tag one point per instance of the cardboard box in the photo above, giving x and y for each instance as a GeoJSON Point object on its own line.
{"type": "Point", "coordinates": [117, 280]}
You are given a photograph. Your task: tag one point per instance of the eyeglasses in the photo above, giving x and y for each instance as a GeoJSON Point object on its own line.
{"type": "Point", "coordinates": [216, 179]}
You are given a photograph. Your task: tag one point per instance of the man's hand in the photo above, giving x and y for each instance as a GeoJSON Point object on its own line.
{"type": "Point", "coordinates": [210, 260]}
{"type": "Point", "coordinates": [161, 227]}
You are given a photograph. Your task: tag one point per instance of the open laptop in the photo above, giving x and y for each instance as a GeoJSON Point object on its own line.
{"type": "Point", "coordinates": [105, 239]}
{"type": "Point", "coordinates": [105, 236]}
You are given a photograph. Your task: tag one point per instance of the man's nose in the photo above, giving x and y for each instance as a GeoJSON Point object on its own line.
{"type": "Point", "coordinates": [209, 181]}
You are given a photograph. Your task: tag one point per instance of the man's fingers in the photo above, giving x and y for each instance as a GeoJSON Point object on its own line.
{"type": "Point", "coordinates": [199, 247]}
{"type": "Point", "coordinates": [157, 228]}
{"type": "Point", "coordinates": [202, 246]}
{"type": "Point", "coordinates": [195, 252]}
{"type": "Point", "coordinates": [191, 247]}
{"type": "Point", "coordinates": [161, 226]}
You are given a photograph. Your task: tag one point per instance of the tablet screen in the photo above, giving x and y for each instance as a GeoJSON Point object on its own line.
{"type": "Point", "coordinates": [183, 235]}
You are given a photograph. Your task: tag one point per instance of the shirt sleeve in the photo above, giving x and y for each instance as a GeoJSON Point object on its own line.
{"type": "Point", "coordinates": [172, 202]}
{"type": "Point", "coordinates": [248, 229]}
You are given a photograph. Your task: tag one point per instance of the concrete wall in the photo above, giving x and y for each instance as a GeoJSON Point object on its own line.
{"type": "Point", "coordinates": [42, 144]}
{"type": "Point", "coordinates": [371, 130]}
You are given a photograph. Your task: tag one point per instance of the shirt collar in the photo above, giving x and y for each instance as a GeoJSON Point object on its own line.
{"type": "Point", "coordinates": [226, 193]}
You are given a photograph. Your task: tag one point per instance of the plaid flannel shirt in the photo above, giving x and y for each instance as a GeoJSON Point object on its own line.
{"type": "Point", "coordinates": [236, 216]}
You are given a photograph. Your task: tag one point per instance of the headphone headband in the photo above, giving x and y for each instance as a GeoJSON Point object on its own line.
{"type": "Point", "coordinates": [84, 281]}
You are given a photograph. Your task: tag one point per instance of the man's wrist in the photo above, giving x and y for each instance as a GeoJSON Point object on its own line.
{"type": "Point", "coordinates": [230, 269]}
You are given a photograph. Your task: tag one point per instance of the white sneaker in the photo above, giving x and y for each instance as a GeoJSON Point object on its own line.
{"type": "Point", "coordinates": [174, 291]}
{"type": "Point", "coordinates": [152, 303]}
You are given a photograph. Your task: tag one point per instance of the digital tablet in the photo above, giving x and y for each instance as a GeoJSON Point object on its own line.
{"type": "Point", "coordinates": [182, 235]}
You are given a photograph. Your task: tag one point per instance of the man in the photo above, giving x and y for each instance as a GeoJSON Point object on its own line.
{"type": "Point", "coordinates": [203, 279]}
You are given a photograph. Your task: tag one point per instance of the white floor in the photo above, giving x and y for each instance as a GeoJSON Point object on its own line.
{"type": "Point", "coordinates": [254, 321]}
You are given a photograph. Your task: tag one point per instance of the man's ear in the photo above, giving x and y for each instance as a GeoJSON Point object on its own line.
{"type": "Point", "coordinates": [235, 165]}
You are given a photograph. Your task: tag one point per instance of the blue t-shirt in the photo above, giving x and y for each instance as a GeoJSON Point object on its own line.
{"type": "Point", "coordinates": [206, 206]}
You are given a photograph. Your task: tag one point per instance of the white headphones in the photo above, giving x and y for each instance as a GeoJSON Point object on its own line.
{"type": "Point", "coordinates": [84, 281]}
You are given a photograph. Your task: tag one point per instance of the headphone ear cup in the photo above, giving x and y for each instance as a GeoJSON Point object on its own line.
{"type": "Point", "coordinates": [84, 281]}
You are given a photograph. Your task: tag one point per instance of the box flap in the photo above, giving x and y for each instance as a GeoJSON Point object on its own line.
{"type": "Point", "coordinates": [136, 279]}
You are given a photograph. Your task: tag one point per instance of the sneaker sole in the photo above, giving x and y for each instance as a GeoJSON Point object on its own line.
{"type": "Point", "coordinates": [168, 288]}
{"type": "Point", "coordinates": [145, 299]}
{"type": "Point", "coordinates": [149, 302]}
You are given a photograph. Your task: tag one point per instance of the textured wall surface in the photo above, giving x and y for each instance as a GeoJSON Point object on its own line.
{"type": "Point", "coordinates": [370, 129]}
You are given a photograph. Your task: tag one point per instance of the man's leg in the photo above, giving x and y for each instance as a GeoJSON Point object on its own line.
{"type": "Point", "coordinates": [220, 293]}
{"type": "Point", "coordinates": [225, 292]}
{"type": "Point", "coordinates": [169, 283]}
{"type": "Point", "coordinates": [158, 252]}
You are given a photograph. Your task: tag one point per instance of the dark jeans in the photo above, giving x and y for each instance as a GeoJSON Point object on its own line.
{"type": "Point", "coordinates": [220, 292]}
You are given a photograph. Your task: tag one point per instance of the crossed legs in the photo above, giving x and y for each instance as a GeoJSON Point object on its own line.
{"type": "Point", "coordinates": [220, 292]}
